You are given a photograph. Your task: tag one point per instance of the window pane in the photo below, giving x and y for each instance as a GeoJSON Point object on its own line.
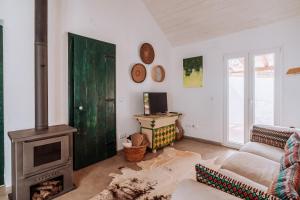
{"type": "Point", "coordinates": [236, 69]}
{"type": "Point", "coordinates": [47, 153]}
{"type": "Point", "coordinates": [264, 89]}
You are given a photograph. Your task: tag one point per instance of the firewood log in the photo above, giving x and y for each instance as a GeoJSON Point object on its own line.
{"type": "Point", "coordinates": [53, 182]}
{"type": "Point", "coordinates": [55, 190]}
{"type": "Point", "coordinates": [35, 196]}
{"type": "Point", "coordinates": [45, 194]}
{"type": "Point", "coordinates": [47, 187]}
{"type": "Point", "coordinates": [50, 183]}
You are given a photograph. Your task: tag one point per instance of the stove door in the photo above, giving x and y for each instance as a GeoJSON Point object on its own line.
{"type": "Point", "coordinates": [43, 154]}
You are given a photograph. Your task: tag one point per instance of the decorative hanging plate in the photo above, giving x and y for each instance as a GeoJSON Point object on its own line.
{"type": "Point", "coordinates": [138, 73]}
{"type": "Point", "coordinates": [158, 73]}
{"type": "Point", "coordinates": [147, 53]}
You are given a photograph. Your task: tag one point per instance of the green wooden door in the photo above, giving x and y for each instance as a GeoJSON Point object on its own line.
{"type": "Point", "coordinates": [1, 111]}
{"type": "Point", "coordinates": [92, 99]}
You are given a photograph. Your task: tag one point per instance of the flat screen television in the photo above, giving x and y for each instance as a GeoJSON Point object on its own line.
{"type": "Point", "coordinates": [155, 103]}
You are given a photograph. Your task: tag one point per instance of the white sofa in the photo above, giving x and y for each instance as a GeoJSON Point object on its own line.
{"type": "Point", "coordinates": [192, 190]}
{"type": "Point", "coordinates": [256, 164]}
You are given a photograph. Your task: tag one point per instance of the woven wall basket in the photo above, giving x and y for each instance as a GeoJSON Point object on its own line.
{"type": "Point", "coordinates": [138, 73]}
{"type": "Point", "coordinates": [147, 53]}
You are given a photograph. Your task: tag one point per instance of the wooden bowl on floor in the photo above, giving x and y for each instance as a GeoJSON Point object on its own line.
{"type": "Point", "coordinates": [135, 154]}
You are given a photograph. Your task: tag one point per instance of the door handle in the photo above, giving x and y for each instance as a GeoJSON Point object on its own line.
{"type": "Point", "coordinates": [80, 108]}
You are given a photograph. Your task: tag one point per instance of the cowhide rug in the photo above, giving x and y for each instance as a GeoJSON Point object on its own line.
{"type": "Point", "coordinates": [158, 178]}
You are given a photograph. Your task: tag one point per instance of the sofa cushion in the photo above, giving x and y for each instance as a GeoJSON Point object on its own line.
{"type": "Point", "coordinates": [264, 150]}
{"type": "Point", "coordinates": [272, 135]}
{"type": "Point", "coordinates": [229, 185]}
{"type": "Point", "coordinates": [286, 185]}
{"type": "Point", "coordinates": [253, 167]}
{"type": "Point", "coordinates": [292, 152]}
{"type": "Point", "coordinates": [243, 179]}
{"type": "Point", "coordinates": [192, 190]}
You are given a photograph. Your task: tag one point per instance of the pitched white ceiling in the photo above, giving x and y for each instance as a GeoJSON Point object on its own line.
{"type": "Point", "coordinates": [186, 21]}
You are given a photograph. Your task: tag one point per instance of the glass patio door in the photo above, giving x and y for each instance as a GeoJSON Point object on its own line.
{"type": "Point", "coordinates": [250, 94]}
{"type": "Point", "coordinates": [236, 90]}
{"type": "Point", "coordinates": [263, 69]}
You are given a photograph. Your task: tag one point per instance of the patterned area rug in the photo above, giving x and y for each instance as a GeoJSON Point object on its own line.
{"type": "Point", "coordinates": [158, 178]}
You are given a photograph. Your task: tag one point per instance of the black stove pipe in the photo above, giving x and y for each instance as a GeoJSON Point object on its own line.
{"type": "Point", "coordinates": [41, 64]}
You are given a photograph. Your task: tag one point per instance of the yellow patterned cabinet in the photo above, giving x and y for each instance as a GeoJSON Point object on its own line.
{"type": "Point", "coordinates": [159, 129]}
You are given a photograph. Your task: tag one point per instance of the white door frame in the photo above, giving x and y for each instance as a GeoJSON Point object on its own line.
{"type": "Point", "coordinates": [277, 82]}
{"type": "Point", "coordinates": [249, 91]}
{"type": "Point", "coordinates": [226, 97]}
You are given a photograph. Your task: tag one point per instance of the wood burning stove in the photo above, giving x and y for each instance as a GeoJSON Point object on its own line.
{"type": "Point", "coordinates": [39, 158]}
{"type": "Point", "coordinates": [42, 158]}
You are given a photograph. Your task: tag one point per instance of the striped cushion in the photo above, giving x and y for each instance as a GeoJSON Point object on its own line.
{"type": "Point", "coordinates": [292, 152]}
{"type": "Point", "coordinates": [286, 185]}
{"type": "Point", "coordinates": [272, 135]}
{"type": "Point", "coordinates": [221, 182]}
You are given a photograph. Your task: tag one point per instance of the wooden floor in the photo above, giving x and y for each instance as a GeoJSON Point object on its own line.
{"type": "Point", "coordinates": [93, 179]}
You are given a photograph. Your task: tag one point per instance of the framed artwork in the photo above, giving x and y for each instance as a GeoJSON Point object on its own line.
{"type": "Point", "coordinates": [193, 72]}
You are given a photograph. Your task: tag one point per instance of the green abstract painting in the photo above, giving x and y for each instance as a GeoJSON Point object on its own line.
{"type": "Point", "coordinates": [193, 72]}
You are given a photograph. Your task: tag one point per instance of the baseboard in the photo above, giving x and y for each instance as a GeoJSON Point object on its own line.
{"type": "Point", "coordinates": [203, 140]}
{"type": "Point", "coordinates": [209, 142]}
{"type": "Point", "coordinates": [6, 187]}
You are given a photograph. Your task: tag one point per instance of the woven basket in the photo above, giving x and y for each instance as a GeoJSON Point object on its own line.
{"type": "Point", "coordinates": [135, 154]}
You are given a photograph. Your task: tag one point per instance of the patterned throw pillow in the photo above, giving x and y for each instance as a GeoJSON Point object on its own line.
{"type": "Point", "coordinates": [221, 182]}
{"type": "Point", "coordinates": [272, 135]}
{"type": "Point", "coordinates": [292, 152]}
{"type": "Point", "coordinates": [287, 184]}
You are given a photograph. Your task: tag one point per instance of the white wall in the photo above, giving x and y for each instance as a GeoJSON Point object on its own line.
{"type": "Point", "coordinates": [203, 107]}
{"type": "Point", "coordinates": [125, 23]}
{"type": "Point", "coordinates": [18, 23]}
{"type": "Point", "coordinates": [18, 71]}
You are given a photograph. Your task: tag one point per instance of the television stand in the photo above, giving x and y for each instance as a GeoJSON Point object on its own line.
{"type": "Point", "coordinates": [160, 129]}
